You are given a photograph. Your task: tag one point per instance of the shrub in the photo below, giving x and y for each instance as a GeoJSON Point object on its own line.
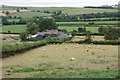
{"type": "Point", "coordinates": [88, 39]}
{"type": "Point", "coordinates": [23, 36]}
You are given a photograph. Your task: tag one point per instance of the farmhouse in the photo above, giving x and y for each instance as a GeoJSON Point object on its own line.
{"type": "Point", "coordinates": [52, 33]}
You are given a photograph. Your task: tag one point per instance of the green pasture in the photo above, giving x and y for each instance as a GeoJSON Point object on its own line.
{"type": "Point", "coordinates": [30, 14]}
{"type": "Point", "coordinates": [71, 28]}
{"type": "Point", "coordinates": [78, 11]}
{"type": "Point", "coordinates": [95, 22]}
{"type": "Point", "coordinates": [14, 28]}
{"type": "Point", "coordinates": [16, 20]}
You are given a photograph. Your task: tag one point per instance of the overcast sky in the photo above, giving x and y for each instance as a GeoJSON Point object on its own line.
{"type": "Point", "coordinates": [58, 3]}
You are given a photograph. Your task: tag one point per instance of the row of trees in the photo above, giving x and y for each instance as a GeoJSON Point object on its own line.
{"type": "Point", "coordinates": [6, 22]}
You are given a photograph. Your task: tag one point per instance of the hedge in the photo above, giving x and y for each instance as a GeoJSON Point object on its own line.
{"type": "Point", "coordinates": [8, 49]}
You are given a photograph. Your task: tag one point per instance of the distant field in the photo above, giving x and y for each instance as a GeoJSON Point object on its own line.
{"type": "Point", "coordinates": [14, 28]}
{"type": "Point", "coordinates": [16, 20]}
{"type": "Point", "coordinates": [30, 14]}
{"type": "Point", "coordinates": [71, 28]}
{"type": "Point", "coordinates": [95, 22]}
{"type": "Point", "coordinates": [51, 9]}
{"type": "Point", "coordinates": [78, 11]}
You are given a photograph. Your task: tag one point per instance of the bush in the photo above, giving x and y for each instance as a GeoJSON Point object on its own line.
{"type": "Point", "coordinates": [88, 39]}
{"type": "Point", "coordinates": [31, 39]}
{"type": "Point", "coordinates": [23, 36]}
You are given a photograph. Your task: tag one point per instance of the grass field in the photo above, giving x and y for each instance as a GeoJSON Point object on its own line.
{"type": "Point", "coordinates": [71, 28]}
{"type": "Point", "coordinates": [14, 28]}
{"type": "Point", "coordinates": [95, 22]}
{"type": "Point", "coordinates": [16, 20]}
{"type": "Point", "coordinates": [78, 11]}
{"type": "Point", "coordinates": [30, 14]}
{"type": "Point", "coordinates": [55, 63]}
{"type": "Point", "coordinates": [95, 38]}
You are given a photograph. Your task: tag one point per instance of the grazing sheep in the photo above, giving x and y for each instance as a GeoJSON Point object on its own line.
{"type": "Point", "coordinates": [66, 48]}
{"type": "Point", "coordinates": [56, 48]}
{"type": "Point", "coordinates": [72, 59]}
{"type": "Point", "coordinates": [98, 47]}
{"type": "Point", "coordinates": [89, 47]}
{"type": "Point", "coordinates": [87, 50]}
{"type": "Point", "coordinates": [44, 49]}
{"type": "Point", "coordinates": [75, 46]}
{"type": "Point", "coordinates": [103, 48]}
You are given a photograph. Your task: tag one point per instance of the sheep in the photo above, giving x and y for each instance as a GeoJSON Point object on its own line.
{"type": "Point", "coordinates": [66, 48]}
{"type": "Point", "coordinates": [75, 46]}
{"type": "Point", "coordinates": [98, 47]}
{"type": "Point", "coordinates": [87, 50]}
{"type": "Point", "coordinates": [56, 48]}
{"type": "Point", "coordinates": [103, 48]}
{"type": "Point", "coordinates": [89, 46]}
{"type": "Point", "coordinates": [72, 59]}
{"type": "Point", "coordinates": [44, 49]}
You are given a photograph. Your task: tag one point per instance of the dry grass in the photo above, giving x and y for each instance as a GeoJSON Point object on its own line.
{"type": "Point", "coordinates": [97, 38]}
{"type": "Point", "coordinates": [94, 59]}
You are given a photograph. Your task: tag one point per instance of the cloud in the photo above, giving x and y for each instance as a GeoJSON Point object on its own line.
{"type": "Point", "coordinates": [59, 3]}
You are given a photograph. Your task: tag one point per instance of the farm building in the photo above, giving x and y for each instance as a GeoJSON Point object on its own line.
{"type": "Point", "coordinates": [52, 33]}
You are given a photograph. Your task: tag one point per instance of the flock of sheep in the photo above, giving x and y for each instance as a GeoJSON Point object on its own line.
{"type": "Point", "coordinates": [72, 58]}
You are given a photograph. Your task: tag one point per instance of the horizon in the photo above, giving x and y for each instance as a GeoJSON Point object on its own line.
{"type": "Point", "coordinates": [58, 3]}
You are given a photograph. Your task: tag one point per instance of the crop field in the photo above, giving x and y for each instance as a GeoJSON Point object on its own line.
{"type": "Point", "coordinates": [14, 28]}
{"type": "Point", "coordinates": [30, 14]}
{"type": "Point", "coordinates": [78, 11]}
{"type": "Point", "coordinates": [56, 62]}
{"type": "Point", "coordinates": [71, 28]}
{"type": "Point", "coordinates": [95, 22]}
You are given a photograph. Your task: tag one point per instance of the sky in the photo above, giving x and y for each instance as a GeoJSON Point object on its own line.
{"type": "Point", "coordinates": [58, 3]}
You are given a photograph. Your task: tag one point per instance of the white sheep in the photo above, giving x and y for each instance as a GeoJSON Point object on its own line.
{"type": "Point", "coordinates": [89, 46]}
{"type": "Point", "coordinates": [98, 47]}
{"type": "Point", "coordinates": [66, 48]}
{"type": "Point", "coordinates": [44, 49]}
{"type": "Point", "coordinates": [75, 46]}
{"type": "Point", "coordinates": [72, 59]}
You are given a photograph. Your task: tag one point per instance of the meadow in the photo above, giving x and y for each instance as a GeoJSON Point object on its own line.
{"type": "Point", "coordinates": [14, 28]}
{"type": "Point", "coordinates": [55, 62]}
{"type": "Point", "coordinates": [78, 11]}
{"type": "Point", "coordinates": [30, 14]}
{"type": "Point", "coordinates": [71, 28]}
{"type": "Point", "coordinates": [95, 22]}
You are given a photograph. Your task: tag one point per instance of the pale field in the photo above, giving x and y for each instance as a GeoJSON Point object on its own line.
{"type": "Point", "coordinates": [94, 59]}
{"type": "Point", "coordinates": [6, 35]}
{"type": "Point", "coordinates": [95, 38]}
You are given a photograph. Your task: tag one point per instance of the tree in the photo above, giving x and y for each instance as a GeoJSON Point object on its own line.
{"type": "Point", "coordinates": [112, 33]}
{"type": "Point", "coordinates": [33, 29]}
{"type": "Point", "coordinates": [5, 21]}
{"type": "Point", "coordinates": [23, 36]}
{"type": "Point", "coordinates": [80, 29]}
{"type": "Point", "coordinates": [7, 12]}
{"type": "Point", "coordinates": [18, 10]}
{"type": "Point", "coordinates": [100, 30]}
